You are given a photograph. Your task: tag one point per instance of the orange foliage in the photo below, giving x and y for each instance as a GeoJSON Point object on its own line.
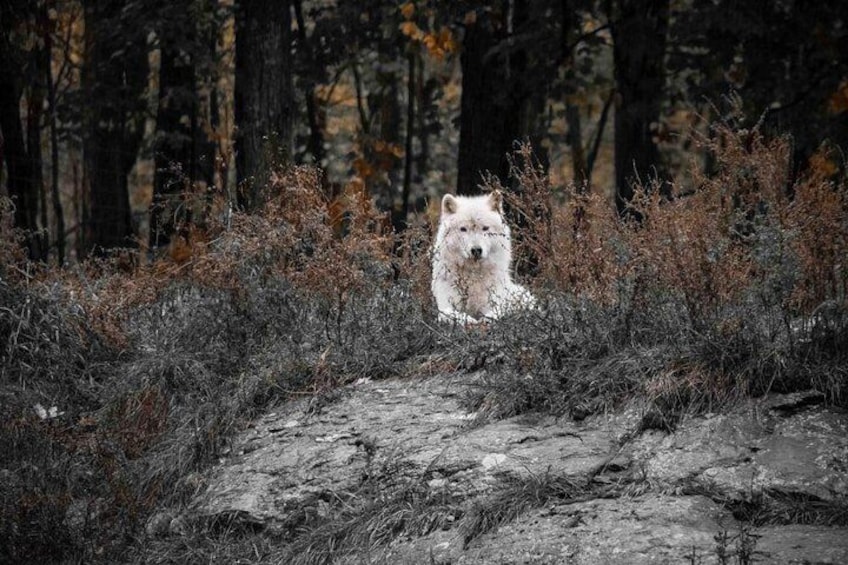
{"type": "Point", "coordinates": [438, 43]}
{"type": "Point", "coordinates": [818, 215]}
{"type": "Point", "coordinates": [748, 227]}
{"type": "Point", "coordinates": [324, 246]}
{"type": "Point", "coordinates": [838, 101]}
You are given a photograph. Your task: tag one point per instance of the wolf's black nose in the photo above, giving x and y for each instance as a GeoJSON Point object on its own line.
{"type": "Point", "coordinates": [476, 252]}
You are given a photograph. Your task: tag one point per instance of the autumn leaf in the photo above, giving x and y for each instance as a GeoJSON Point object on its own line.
{"type": "Point", "coordinates": [431, 42]}
{"type": "Point", "coordinates": [440, 44]}
{"type": "Point", "coordinates": [447, 40]}
{"type": "Point", "coordinates": [838, 101]}
{"type": "Point", "coordinates": [363, 168]}
{"type": "Point", "coordinates": [411, 30]}
{"type": "Point", "coordinates": [407, 10]}
{"type": "Point", "coordinates": [821, 163]}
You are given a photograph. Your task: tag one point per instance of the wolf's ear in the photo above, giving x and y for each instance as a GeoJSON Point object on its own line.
{"type": "Point", "coordinates": [448, 204]}
{"type": "Point", "coordinates": [496, 199]}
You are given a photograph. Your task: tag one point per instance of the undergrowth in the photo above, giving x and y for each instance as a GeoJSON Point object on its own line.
{"type": "Point", "coordinates": [733, 288]}
{"type": "Point", "coordinates": [122, 380]}
{"type": "Point", "coordinates": [120, 383]}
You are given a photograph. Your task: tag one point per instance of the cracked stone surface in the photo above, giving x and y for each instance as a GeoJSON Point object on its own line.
{"type": "Point", "coordinates": [396, 430]}
{"type": "Point", "coordinates": [640, 530]}
{"type": "Point", "coordinates": [757, 447]}
{"type": "Point", "coordinates": [400, 431]}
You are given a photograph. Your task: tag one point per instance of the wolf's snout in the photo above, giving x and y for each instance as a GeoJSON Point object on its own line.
{"type": "Point", "coordinates": [476, 252]}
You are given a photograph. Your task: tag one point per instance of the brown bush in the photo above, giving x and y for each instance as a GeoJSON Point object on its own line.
{"type": "Point", "coordinates": [570, 235]}
{"type": "Point", "coordinates": [736, 285]}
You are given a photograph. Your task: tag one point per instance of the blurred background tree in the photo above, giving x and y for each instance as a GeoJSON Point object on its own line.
{"type": "Point", "coordinates": [115, 77]}
{"type": "Point", "coordinates": [147, 109]}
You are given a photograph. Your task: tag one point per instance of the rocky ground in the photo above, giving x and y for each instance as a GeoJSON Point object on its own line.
{"type": "Point", "coordinates": [398, 471]}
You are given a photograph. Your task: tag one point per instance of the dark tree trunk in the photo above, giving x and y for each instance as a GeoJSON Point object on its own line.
{"type": "Point", "coordinates": [490, 106]}
{"type": "Point", "coordinates": [263, 94]}
{"type": "Point", "coordinates": [22, 189]}
{"type": "Point", "coordinates": [21, 182]}
{"type": "Point", "coordinates": [59, 214]}
{"type": "Point", "coordinates": [504, 85]}
{"type": "Point", "coordinates": [176, 148]}
{"type": "Point", "coordinates": [403, 214]}
{"type": "Point", "coordinates": [35, 111]}
{"type": "Point", "coordinates": [599, 135]}
{"type": "Point", "coordinates": [570, 26]}
{"type": "Point", "coordinates": [574, 139]}
{"type": "Point", "coordinates": [639, 31]}
{"type": "Point", "coordinates": [423, 93]}
{"type": "Point", "coordinates": [115, 76]}
{"type": "Point", "coordinates": [314, 112]}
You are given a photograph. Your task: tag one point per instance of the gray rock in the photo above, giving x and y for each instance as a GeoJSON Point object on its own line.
{"type": "Point", "coordinates": [390, 431]}
{"type": "Point", "coordinates": [655, 498]}
{"type": "Point", "coordinates": [756, 448]}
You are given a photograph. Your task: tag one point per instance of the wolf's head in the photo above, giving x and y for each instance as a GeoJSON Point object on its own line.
{"type": "Point", "coordinates": [474, 227]}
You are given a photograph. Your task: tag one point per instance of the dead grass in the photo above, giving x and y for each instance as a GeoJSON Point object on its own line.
{"type": "Point", "coordinates": [514, 496]}
{"type": "Point", "coordinates": [771, 508]}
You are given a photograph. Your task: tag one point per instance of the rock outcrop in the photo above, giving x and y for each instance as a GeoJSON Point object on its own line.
{"type": "Point", "coordinates": [766, 481]}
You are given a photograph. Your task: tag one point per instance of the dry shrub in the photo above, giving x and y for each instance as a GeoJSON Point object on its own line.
{"type": "Point", "coordinates": [817, 217]}
{"type": "Point", "coordinates": [151, 367]}
{"type": "Point", "coordinates": [138, 420]}
{"type": "Point", "coordinates": [296, 234]}
{"type": "Point", "coordinates": [736, 286]}
{"type": "Point", "coordinates": [587, 248]}
{"type": "Point", "coordinates": [329, 248]}
{"type": "Point", "coordinates": [686, 248]}
{"type": "Point", "coordinates": [747, 232]}
{"type": "Point", "coordinates": [413, 260]}
{"type": "Point", "coordinates": [568, 238]}
{"type": "Point", "coordinates": [751, 227]}
{"type": "Point", "coordinates": [12, 255]}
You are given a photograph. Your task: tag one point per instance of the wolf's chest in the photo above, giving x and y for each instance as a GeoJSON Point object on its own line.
{"type": "Point", "coordinates": [475, 287]}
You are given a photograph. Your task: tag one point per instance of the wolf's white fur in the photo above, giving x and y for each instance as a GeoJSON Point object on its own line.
{"type": "Point", "coordinates": [472, 257]}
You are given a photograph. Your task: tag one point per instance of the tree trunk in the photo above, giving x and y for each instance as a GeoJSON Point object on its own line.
{"type": "Point", "coordinates": [115, 75]}
{"type": "Point", "coordinates": [639, 31]}
{"type": "Point", "coordinates": [423, 90]}
{"type": "Point", "coordinates": [176, 146]}
{"type": "Point", "coordinates": [20, 182]}
{"type": "Point", "coordinates": [599, 136]}
{"type": "Point", "coordinates": [264, 97]}
{"type": "Point", "coordinates": [490, 105]}
{"type": "Point", "coordinates": [569, 27]}
{"type": "Point", "coordinates": [58, 212]}
{"type": "Point", "coordinates": [22, 190]}
{"type": "Point", "coordinates": [574, 139]}
{"type": "Point", "coordinates": [35, 111]}
{"type": "Point", "coordinates": [402, 216]}
{"type": "Point", "coordinates": [314, 113]}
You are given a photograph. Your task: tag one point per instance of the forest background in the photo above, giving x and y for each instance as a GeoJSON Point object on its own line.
{"type": "Point", "coordinates": [114, 112]}
{"type": "Point", "coordinates": [210, 208]}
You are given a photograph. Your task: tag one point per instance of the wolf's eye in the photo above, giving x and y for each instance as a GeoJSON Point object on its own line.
{"type": "Point", "coordinates": [463, 228]}
{"type": "Point", "coordinates": [485, 228]}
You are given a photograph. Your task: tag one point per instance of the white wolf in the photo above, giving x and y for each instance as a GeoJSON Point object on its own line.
{"type": "Point", "coordinates": [472, 257]}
